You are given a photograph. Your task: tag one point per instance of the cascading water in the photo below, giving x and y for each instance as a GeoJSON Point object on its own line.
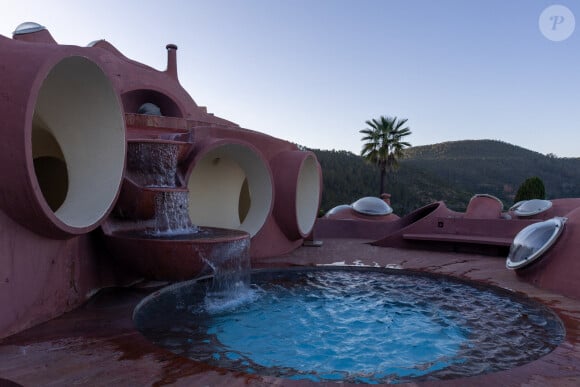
{"type": "Point", "coordinates": [153, 164]}
{"type": "Point", "coordinates": [171, 214]}
{"type": "Point", "coordinates": [230, 285]}
{"type": "Point", "coordinates": [152, 232]}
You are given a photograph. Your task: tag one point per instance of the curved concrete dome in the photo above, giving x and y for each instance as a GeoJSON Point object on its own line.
{"type": "Point", "coordinates": [531, 207]}
{"type": "Point", "coordinates": [230, 186]}
{"type": "Point", "coordinates": [371, 205]}
{"type": "Point", "coordinates": [533, 241]}
{"type": "Point", "coordinates": [78, 142]}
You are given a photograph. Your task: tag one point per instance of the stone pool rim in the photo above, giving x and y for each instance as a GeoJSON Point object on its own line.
{"type": "Point", "coordinates": [517, 296]}
{"type": "Point", "coordinates": [69, 348]}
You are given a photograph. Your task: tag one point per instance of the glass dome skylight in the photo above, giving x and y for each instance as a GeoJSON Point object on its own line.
{"type": "Point", "coordinates": [533, 241]}
{"type": "Point", "coordinates": [28, 28]}
{"type": "Point", "coordinates": [531, 207]}
{"type": "Point", "coordinates": [371, 205]}
{"type": "Point", "coordinates": [337, 209]}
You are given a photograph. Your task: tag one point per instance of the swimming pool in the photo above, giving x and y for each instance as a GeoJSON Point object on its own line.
{"type": "Point", "coordinates": [361, 325]}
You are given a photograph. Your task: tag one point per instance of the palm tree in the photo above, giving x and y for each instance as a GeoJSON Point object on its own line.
{"type": "Point", "coordinates": [384, 145]}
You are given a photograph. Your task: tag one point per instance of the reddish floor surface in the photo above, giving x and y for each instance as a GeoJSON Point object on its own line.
{"type": "Point", "coordinates": [97, 345]}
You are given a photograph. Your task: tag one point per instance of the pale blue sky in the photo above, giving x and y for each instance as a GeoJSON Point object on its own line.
{"type": "Point", "coordinates": [312, 71]}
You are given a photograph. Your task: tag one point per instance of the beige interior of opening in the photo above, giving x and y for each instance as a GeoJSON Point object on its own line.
{"type": "Point", "coordinates": [78, 142]}
{"type": "Point", "coordinates": [230, 187]}
{"type": "Point", "coordinates": [307, 195]}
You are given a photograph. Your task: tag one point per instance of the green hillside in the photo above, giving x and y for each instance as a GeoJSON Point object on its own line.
{"type": "Point", "coordinates": [450, 171]}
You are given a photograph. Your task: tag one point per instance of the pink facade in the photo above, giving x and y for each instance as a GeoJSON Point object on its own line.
{"type": "Point", "coordinates": [70, 196]}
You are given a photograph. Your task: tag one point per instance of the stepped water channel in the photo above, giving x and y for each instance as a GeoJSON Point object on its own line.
{"type": "Point", "coordinates": [153, 233]}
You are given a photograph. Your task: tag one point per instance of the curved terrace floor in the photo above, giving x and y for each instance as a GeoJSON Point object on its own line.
{"type": "Point", "coordinates": [98, 345]}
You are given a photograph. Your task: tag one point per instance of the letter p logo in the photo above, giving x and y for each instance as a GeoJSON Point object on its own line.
{"type": "Point", "coordinates": [557, 23]}
{"type": "Point", "coordinates": [558, 19]}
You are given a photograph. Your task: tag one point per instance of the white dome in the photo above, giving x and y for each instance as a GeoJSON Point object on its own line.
{"type": "Point", "coordinates": [28, 28]}
{"type": "Point", "coordinates": [371, 205]}
{"type": "Point", "coordinates": [531, 207]}
{"type": "Point", "coordinates": [337, 209]}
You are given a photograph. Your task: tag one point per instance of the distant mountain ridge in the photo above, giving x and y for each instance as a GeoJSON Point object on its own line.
{"type": "Point", "coordinates": [450, 171]}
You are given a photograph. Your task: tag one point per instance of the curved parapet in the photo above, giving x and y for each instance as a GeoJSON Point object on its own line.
{"type": "Point", "coordinates": [62, 153]}
{"type": "Point", "coordinates": [176, 257]}
{"type": "Point", "coordinates": [230, 186]}
{"type": "Point", "coordinates": [298, 183]}
{"type": "Point", "coordinates": [484, 206]}
{"type": "Point", "coordinates": [422, 220]}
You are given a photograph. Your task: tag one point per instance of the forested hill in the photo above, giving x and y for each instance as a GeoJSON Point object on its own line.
{"type": "Point", "coordinates": [450, 171]}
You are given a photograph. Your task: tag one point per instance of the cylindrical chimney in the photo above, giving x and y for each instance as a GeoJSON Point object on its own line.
{"type": "Point", "coordinates": [171, 61]}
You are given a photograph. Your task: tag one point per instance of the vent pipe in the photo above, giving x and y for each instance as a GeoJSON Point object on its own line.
{"type": "Point", "coordinates": [171, 61]}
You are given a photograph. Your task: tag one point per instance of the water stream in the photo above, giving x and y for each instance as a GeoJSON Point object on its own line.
{"type": "Point", "coordinates": [171, 214]}
{"type": "Point", "coordinates": [230, 285]}
{"type": "Point", "coordinates": [153, 164]}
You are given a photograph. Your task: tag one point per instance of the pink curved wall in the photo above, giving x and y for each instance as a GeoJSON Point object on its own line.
{"type": "Point", "coordinates": [45, 269]}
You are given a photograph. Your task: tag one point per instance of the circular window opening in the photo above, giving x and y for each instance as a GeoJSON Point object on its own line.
{"type": "Point", "coordinates": [230, 187]}
{"type": "Point", "coordinates": [78, 142]}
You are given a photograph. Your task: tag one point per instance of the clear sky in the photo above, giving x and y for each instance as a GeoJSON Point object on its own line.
{"type": "Point", "coordinates": [313, 71]}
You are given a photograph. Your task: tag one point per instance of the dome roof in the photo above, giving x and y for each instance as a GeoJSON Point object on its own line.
{"type": "Point", "coordinates": [371, 205]}
{"type": "Point", "coordinates": [531, 207]}
{"type": "Point", "coordinates": [337, 209]}
{"type": "Point", "coordinates": [28, 28]}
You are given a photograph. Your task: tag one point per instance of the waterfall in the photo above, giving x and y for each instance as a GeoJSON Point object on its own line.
{"type": "Point", "coordinates": [171, 214]}
{"type": "Point", "coordinates": [154, 164]}
{"type": "Point", "coordinates": [230, 286]}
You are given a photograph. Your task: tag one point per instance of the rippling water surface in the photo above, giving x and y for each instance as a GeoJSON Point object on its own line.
{"type": "Point", "coordinates": [360, 326]}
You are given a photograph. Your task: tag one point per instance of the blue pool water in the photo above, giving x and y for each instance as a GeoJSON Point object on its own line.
{"type": "Point", "coordinates": [360, 326]}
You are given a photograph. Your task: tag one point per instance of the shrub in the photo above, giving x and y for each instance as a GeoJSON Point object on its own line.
{"type": "Point", "coordinates": [531, 188]}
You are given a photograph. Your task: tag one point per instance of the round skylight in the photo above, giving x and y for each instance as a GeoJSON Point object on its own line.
{"type": "Point", "coordinates": [337, 209]}
{"type": "Point", "coordinates": [28, 28]}
{"type": "Point", "coordinates": [371, 205]}
{"type": "Point", "coordinates": [150, 109]}
{"type": "Point", "coordinates": [533, 241]}
{"type": "Point", "coordinates": [531, 207]}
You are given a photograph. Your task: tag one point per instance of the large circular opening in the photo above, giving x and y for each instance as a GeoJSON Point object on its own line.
{"type": "Point", "coordinates": [307, 195]}
{"type": "Point", "coordinates": [78, 142]}
{"type": "Point", "coordinates": [230, 187]}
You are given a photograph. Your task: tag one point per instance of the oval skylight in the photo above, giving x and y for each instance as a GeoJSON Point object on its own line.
{"type": "Point", "coordinates": [28, 28]}
{"type": "Point", "coordinates": [533, 241]}
{"type": "Point", "coordinates": [337, 209]}
{"type": "Point", "coordinates": [531, 207]}
{"type": "Point", "coordinates": [371, 205]}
